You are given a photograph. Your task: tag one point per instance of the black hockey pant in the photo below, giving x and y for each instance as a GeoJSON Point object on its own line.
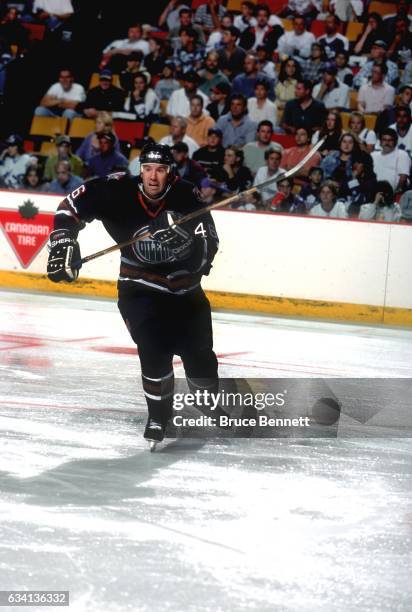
{"type": "Point", "coordinates": [163, 325]}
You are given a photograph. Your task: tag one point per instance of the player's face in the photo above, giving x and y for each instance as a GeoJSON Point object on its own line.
{"type": "Point", "coordinates": [154, 177]}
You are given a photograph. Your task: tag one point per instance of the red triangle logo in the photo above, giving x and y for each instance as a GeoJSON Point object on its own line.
{"type": "Point", "coordinates": [27, 237]}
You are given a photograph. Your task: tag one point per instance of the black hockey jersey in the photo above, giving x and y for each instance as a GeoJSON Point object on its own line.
{"type": "Point", "coordinates": [118, 203]}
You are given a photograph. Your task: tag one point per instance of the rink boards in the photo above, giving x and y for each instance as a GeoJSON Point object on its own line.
{"type": "Point", "coordinates": [278, 264]}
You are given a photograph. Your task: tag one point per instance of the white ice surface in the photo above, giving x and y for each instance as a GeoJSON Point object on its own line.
{"type": "Point", "coordinates": [215, 525]}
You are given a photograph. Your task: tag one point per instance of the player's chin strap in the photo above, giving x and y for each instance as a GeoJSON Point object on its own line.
{"type": "Point", "coordinates": [160, 197]}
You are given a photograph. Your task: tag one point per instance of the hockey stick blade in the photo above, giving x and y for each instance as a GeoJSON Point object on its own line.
{"type": "Point", "coordinates": [202, 211]}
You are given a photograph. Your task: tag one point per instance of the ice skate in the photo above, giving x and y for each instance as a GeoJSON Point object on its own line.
{"type": "Point", "coordinates": [154, 433]}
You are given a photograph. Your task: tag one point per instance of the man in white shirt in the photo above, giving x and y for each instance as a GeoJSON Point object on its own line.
{"type": "Point", "coordinates": [53, 12]}
{"type": "Point", "coordinates": [179, 101]}
{"type": "Point", "coordinates": [332, 42]}
{"type": "Point", "coordinates": [298, 42]}
{"type": "Point", "coordinates": [259, 107]}
{"type": "Point", "coordinates": [403, 128]}
{"type": "Point", "coordinates": [330, 91]}
{"type": "Point", "coordinates": [178, 127]}
{"type": "Point", "coordinates": [391, 164]}
{"type": "Point", "coordinates": [133, 42]}
{"type": "Point", "coordinates": [376, 95]}
{"type": "Point", "coordinates": [271, 171]}
{"type": "Point", "coordinates": [62, 98]}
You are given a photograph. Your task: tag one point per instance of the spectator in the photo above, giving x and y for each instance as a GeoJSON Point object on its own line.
{"type": "Point", "coordinates": [262, 33]}
{"type": "Point", "coordinates": [285, 201]}
{"type": "Point", "coordinates": [14, 163]}
{"type": "Point", "coordinates": [214, 41]}
{"type": "Point", "coordinates": [179, 101]}
{"type": "Point", "coordinates": [32, 180]}
{"type": "Point", "coordinates": [330, 91]}
{"type": "Point", "coordinates": [211, 156]}
{"type": "Point", "coordinates": [333, 42]}
{"type": "Point", "coordinates": [345, 74]}
{"type": "Point", "coordinates": [298, 42]}
{"type": "Point", "coordinates": [390, 163]}
{"type": "Point", "coordinates": [254, 152]}
{"type": "Point", "coordinates": [65, 181]}
{"type": "Point", "coordinates": [231, 56]}
{"type": "Point", "coordinates": [289, 75]}
{"type": "Point", "coordinates": [400, 48]}
{"type": "Point", "coordinates": [198, 123]}
{"type": "Point", "coordinates": [374, 30]}
{"type": "Point", "coordinates": [403, 128]}
{"type": "Point", "coordinates": [383, 207]}
{"type": "Point", "coordinates": [220, 104]}
{"type": "Point", "coordinates": [178, 127]}
{"type": "Point", "coordinates": [62, 99]}
{"type": "Point", "coordinates": [245, 82]}
{"type": "Point", "coordinates": [329, 205]}
{"type": "Point", "coordinates": [52, 13]}
{"type": "Point", "coordinates": [271, 170]}
{"type": "Point", "coordinates": [357, 127]}
{"type": "Point", "coordinates": [142, 104]}
{"type": "Point", "coordinates": [236, 126]}
{"type": "Point", "coordinates": [167, 83]}
{"type": "Point", "coordinates": [388, 116]}
{"type": "Point", "coordinates": [314, 66]}
{"type": "Point", "coordinates": [337, 164]}
{"type": "Point", "coordinates": [360, 187]}
{"type": "Point", "coordinates": [108, 160]}
{"type": "Point", "coordinates": [309, 9]}
{"type": "Point", "coordinates": [117, 51]}
{"type": "Point", "coordinates": [294, 155]}
{"type": "Point", "coordinates": [378, 56]}
{"type": "Point", "coordinates": [170, 16]}
{"type": "Point", "coordinates": [11, 30]}
{"type": "Point", "coordinates": [265, 63]}
{"type": "Point", "coordinates": [185, 21]}
{"type": "Point", "coordinates": [155, 60]}
{"type": "Point", "coordinates": [210, 191]}
{"type": "Point", "coordinates": [407, 74]}
{"type": "Point", "coordinates": [90, 144]}
{"type": "Point", "coordinates": [63, 153]}
{"type": "Point", "coordinates": [259, 107]}
{"type": "Point", "coordinates": [189, 55]}
{"type": "Point", "coordinates": [406, 206]}
{"type": "Point", "coordinates": [246, 19]}
{"type": "Point", "coordinates": [211, 75]}
{"type": "Point", "coordinates": [376, 95]}
{"type": "Point", "coordinates": [331, 130]}
{"type": "Point", "coordinates": [310, 191]}
{"type": "Point", "coordinates": [237, 177]}
{"type": "Point", "coordinates": [134, 65]}
{"type": "Point", "coordinates": [208, 14]}
{"type": "Point", "coordinates": [304, 110]}
{"type": "Point", "coordinates": [104, 97]}
{"type": "Point", "coordinates": [186, 168]}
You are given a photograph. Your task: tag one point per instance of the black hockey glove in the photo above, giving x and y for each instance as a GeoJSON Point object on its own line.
{"type": "Point", "coordinates": [178, 239]}
{"type": "Point", "coordinates": [63, 250]}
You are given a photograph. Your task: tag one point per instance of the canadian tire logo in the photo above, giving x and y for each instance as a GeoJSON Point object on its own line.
{"type": "Point", "coordinates": [26, 230]}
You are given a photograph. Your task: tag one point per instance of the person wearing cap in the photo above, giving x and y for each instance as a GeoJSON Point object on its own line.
{"type": "Point", "coordinates": [330, 91]}
{"type": "Point", "coordinates": [134, 64]}
{"type": "Point", "coordinates": [63, 153]}
{"type": "Point", "coordinates": [211, 191]}
{"type": "Point", "coordinates": [332, 42]}
{"type": "Point", "coordinates": [65, 181]}
{"type": "Point", "coordinates": [186, 168]}
{"type": "Point", "coordinates": [231, 55]}
{"type": "Point", "coordinates": [14, 163]}
{"type": "Point", "coordinates": [210, 75]}
{"type": "Point", "coordinates": [62, 99]}
{"type": "Point", "coordinates": [104, 97]}
{"type": "Point", "coordinates": [220, 102]}
{"type": "Point", "coordinates": [236, 126]}
{"type": "Point", "coordinates": [377, 55]}
{"type": "Point", "coordinates": [296, 43]}
{"type": "Point", "coordinates": [198, 123]}
{"type": "Point", "coordinates": [254, 151]}
{"type": "Point", "coordinates": [167, 84]}
{"type": "Point", "coordinates": [179, 102]}
{"type": "Point", "coordinates": [108, 160]}
{"type": "Point", "coordinates": [376, 95]}
{"type": "Point", "coordinates": [178, 127]}
{"type": "Point", "coordinates": [211, 156]}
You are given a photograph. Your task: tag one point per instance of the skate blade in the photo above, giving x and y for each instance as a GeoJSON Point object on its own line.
{"type": "Point", "coordinates": [153, 445]}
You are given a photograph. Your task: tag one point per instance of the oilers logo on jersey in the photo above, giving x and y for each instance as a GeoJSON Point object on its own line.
{"type": "Point", "coordinates": [149, 251]}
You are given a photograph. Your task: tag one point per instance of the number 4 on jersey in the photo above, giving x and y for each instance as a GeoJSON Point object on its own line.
{"type": "Point", "coordinates": [200, 230]}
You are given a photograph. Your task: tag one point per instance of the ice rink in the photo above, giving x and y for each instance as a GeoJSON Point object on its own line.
{"type": "Point", "coordinates": [320, 525]}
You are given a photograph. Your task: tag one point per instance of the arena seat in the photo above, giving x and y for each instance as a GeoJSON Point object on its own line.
{"type": "Point", "coordinates": [129, 131]}
{"type": "Point", "coordinates": [158, 131]}
{"type": "Point", "coordinates": [287, 24]}
{"type": "Point", "coordinates": [79, 127]}
{"type": "Point", "coordinates": [353, 99]}
{"type": "Point", "coordinates": [383, 8]}
{"type": "Point", "coordinates": [48, 147]}
{"type": "Point", "coordinates": [354, 30]}
{"type": "Point", "coordinates": [235, 5]}
{"type": "Point", "coordinates": [134, 153]}
{"type": "Point", "coordinates": [286, 140]}
{"type": "Point", "coordinates": [36, 31]}
{"type": "Point", "coordinates": [48, 126]}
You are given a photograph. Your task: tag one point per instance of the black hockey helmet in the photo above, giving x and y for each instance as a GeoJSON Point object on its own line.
{"type": "Point", "coordinates": [153, 153]}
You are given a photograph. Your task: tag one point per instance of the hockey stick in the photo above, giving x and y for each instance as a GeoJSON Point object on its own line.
{"type": "Point", "coordinates": [202, 211]}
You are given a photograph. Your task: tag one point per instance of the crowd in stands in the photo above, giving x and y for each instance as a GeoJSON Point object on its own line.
{"type": "Point", "coordinates": [241, 92]}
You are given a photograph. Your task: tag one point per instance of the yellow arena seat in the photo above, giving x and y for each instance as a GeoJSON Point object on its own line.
{"type": "Point", "coordinates": [79, 128]}
{"type": "Point", "coordinates": [354, 30]}
{"type": "Point", "coordinates": [158, 131]}
{"type": "Point", "coordinates": [383, 8]}
{"type": "Point", "coordinates": [48, 126]}
{"type": "Point", "coordinates": [48, 148]}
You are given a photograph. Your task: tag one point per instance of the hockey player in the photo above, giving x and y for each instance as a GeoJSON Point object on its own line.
{"type": "Point", "coordinates": [160, 297]}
